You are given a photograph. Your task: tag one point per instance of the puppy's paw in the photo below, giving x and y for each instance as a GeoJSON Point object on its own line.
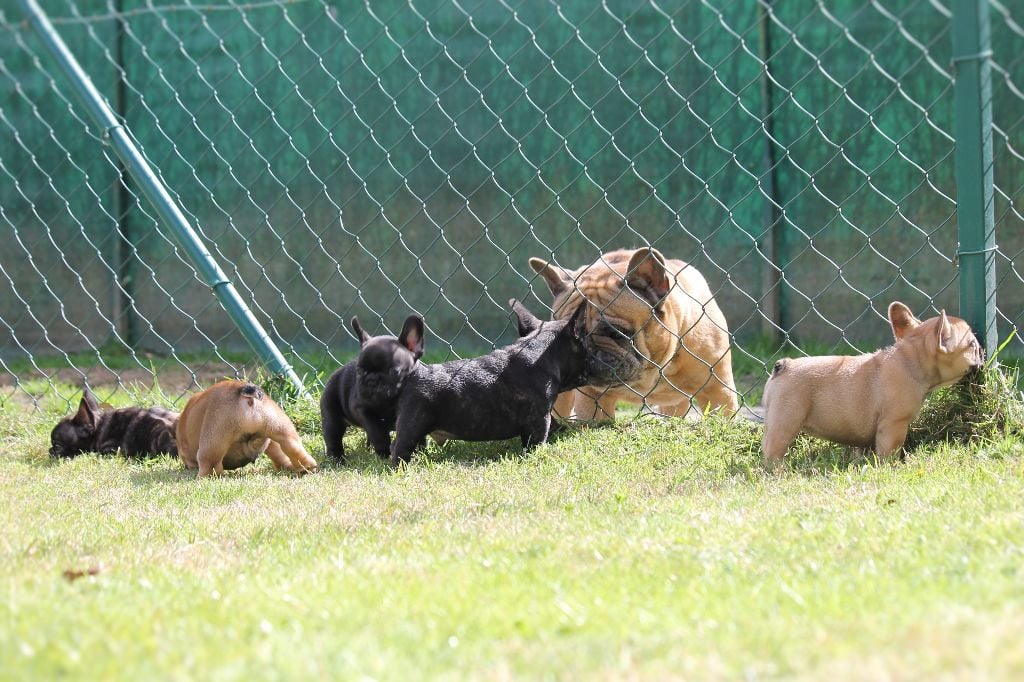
{"type": "Point", "coordinates": [306, 466]}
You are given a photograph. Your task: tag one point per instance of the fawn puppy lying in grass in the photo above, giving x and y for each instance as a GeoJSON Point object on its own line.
{"type": "Point", "coordinates": [364, 392]}
{"type": "Point", "coordinates": [504, 394]}
{"type": "Point", "coordinates": [231, 423]}
{"type": "Point", "coordinates": [867, 400]}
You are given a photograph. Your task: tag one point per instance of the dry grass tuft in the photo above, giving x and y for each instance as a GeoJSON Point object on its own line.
{"type": "Point", "coordinates": [981, 408]}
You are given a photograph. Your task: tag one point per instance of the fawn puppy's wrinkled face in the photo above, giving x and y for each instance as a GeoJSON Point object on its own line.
{"type": "Point", "coordinates": [385, 361]}
{"type": "Point", "coordinates": [949, 340]}
{"type": "Point", "coordinates": [76, 434]}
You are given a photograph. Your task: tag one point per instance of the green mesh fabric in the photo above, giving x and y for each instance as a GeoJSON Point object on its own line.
{"type": "Point", "coordinates": [374, 159]}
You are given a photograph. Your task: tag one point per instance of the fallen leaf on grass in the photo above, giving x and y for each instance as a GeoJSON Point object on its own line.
{"type": "Point", "coordinates": [72, 575]}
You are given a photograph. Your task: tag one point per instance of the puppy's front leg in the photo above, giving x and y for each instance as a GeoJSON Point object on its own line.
{"type": "Point", "coordinates": [379, 438]}
{"type": "Point", "coordinates": [779, 433]}
{"type": "Point", "coordinates": [536, 432]}
{"type": "Point", "coordinates": [889, 438]}
{"type": "Point", "coordinates": [277, 456]}
{"type": "Point", "coordinates": [294, 456]}
{"type": "Point", "coordinates": [410, 432]}
{"type": "Point", "coordinates": [564, 404]}
{"type": "Point", "coordinates": [334, 428]}
{"type": "Point", "coordinates": [600, 407]}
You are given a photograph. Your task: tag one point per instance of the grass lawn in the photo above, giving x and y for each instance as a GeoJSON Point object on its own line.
{"type": "Point", "coordinates": [649, 550]}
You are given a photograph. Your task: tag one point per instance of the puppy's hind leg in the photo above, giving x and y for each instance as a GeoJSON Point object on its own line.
{"type": "Point", "coordinates": [210, 459]}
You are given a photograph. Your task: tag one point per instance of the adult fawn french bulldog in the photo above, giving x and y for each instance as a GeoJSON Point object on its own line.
{"type": "Point", "coordinates": [364, 392]}
{"type": "Point", "coordinates": [867, 400]}
{"type": "Point", "coordinates": [231, 423]}
{"type": "Point", "coordinates": [653, 330]}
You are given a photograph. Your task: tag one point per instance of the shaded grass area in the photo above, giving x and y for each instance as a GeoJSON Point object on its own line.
{"type": "Point", "coordinates": [652, 549]}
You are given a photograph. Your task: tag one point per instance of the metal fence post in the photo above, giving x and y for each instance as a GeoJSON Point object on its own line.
{"type": "Point", "coordinates": [772, 244]}
{"type": "Point", "coordinates": [972, 61]}
{"type": "Point", "coordinates": [151, 185]}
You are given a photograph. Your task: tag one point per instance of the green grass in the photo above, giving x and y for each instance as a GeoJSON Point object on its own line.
{"type": "Point", "coordinates": [649, 550]}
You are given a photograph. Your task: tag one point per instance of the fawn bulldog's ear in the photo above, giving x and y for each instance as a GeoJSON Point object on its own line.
{"type": "Point", "coordinates": [412, 335]}
{"type": "Point", "coordinates": [946, 341]}
{"type": "Point", "coordinates": [360, 332]}
{"type": "Point", "coordinates": [647, 275]}
{"type": "Point", "coordinates": [901, 319]}
{"type": "Point", "coordinates": [526, 322]}
{"type": "Point", "coordinates": [557, 278]}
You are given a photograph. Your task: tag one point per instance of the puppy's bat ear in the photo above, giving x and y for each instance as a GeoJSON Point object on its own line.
{"type": "Point", "coordinates": [360, 332]}
{"type": "Point", "coordinates": [945, 334]}
{"type": "Point", "coordinates": [901, 319]}
{"type": "Point", "coordinates": [526, 321]}
{"type": "Point", "coordinates": [87, 409]}
{"type": "Point", "coordinates": [647, 275]}
{"type": "Point", "coordinates": [557, 278]}
{"type": "Point", "coordinates": [412, 335]}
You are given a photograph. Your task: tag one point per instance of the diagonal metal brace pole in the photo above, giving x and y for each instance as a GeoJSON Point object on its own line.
{"type": "Point", "coordinates": [155, 191]}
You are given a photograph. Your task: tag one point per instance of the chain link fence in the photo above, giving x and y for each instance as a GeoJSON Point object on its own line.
{"type": "Point", "coordinates": [373, 159]}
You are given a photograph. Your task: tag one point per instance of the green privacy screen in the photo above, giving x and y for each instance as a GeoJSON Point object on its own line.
{"type": "Point", "coordinates": [374, 159]}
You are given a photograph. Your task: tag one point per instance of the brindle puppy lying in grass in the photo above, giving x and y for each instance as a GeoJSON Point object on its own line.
{"type": "Point", "coordinates": [131, 431]}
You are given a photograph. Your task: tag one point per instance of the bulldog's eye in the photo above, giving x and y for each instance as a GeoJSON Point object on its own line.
{"type": "Point", "coordinates": [623, 331]}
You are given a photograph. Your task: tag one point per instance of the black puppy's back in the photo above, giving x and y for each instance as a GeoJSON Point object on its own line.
{"type": "Point", "coordinates": [137, 432]}
{"type": "Point", "coordinates": [506, 393]}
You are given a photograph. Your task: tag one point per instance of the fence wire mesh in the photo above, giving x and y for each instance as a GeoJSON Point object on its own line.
{"type": "Point", "coordinates": [341, 159]}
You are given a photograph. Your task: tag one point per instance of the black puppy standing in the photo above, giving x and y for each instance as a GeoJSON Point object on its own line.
{"type": "Point", "coordinates": [504, 394]}
{"type": "Point", "coordinates": [364, 391]}
{"type": "Point", "coordinates": [132, 431]}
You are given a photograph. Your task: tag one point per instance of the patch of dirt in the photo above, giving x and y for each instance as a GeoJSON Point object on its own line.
{"type": "Point", "coordinates": [176, 382]}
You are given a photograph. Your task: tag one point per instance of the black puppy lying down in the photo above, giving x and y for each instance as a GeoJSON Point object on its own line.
{"type": "Point", "coordinates": [501, 395]}
{"type": "Point", "coordinates": [132, 431]}
{"type": "Point", "coordinates": [363, 392]}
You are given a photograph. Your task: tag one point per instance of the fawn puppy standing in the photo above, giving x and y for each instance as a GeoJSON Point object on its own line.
{"type": "Point", "coordinates": [231, 423]}
{"type": "Point", "coordinates": [867, 400]}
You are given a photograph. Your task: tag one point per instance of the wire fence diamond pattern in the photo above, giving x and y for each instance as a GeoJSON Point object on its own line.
{"type": "Point", "coordinates": [341, 159]}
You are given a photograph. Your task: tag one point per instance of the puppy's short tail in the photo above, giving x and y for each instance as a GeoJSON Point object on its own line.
{"type": "Point", "coordinates": [251, 391]}
{"type": "Point", "coordinates": [779, 366]}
